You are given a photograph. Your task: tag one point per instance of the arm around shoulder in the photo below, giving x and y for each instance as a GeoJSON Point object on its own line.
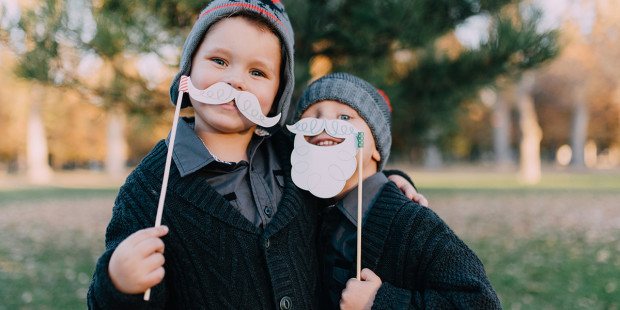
{"type": "Point", "coordinates": [441, 271]}
{"type": "Point", "coordinates": [454, 274]}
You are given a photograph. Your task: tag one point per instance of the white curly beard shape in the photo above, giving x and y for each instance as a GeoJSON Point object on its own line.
{"type": "Point", "coordinates": [323, 170]}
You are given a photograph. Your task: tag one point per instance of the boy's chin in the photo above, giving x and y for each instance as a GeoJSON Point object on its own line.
{"type": "Point", "coordinates": [225, 124]}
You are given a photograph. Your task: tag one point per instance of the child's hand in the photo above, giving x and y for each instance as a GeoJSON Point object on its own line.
{"type": "Point", "coordinates": [408, 189]}
{"type": "Point", "coordinates": [137, 263]}
{"type": "Point", "coordinates": [361, 294]}
{"type": "Point", "coordinates": [419, 199]}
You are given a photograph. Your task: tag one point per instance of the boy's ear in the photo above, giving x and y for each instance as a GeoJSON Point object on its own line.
{"type": "Point", "coordinates": [376, 155]}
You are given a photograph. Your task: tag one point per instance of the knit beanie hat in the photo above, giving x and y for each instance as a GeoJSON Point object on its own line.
{"type": "Point", "coordinates": [274, 13]}
{"type": "Point", "coordinates": [371, 104]}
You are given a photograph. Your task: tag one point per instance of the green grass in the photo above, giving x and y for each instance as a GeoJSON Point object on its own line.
{"type": "Point", "coordinates": [48, 250]}
{"type": "Point", "coordinates": [49, 193]}
{"type": "Point", "coordinates": [555, 245]}
{"type": "Point", "coordinates": [554, 271]}
{"type": "Point", "coordinates": [51, 275]}
{"type": "Point", "coordinates": [491, 180]}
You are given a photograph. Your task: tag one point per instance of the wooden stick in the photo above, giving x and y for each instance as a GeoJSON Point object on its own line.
{"type": "Point", "coordinates": [360, 144]}
{"type": "Point", "coordinates": [164, 183]}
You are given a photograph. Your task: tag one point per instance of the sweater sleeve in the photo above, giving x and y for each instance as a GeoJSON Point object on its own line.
{"type": "Point", "coordinates": [127, 217]}
{"type": "Point", "coordinates": [391, 297]}
{"type": "Point", "coordinates": [440, 270]}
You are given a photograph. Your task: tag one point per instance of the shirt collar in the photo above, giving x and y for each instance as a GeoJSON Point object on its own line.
{"type": "Point", "coordinates": [190, 154]}
{"type": "Point", "coordinates": [371, 188]}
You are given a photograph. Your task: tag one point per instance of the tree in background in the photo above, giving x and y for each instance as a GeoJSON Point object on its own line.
{"type": "Point", "coordinates": [582, 85]}
{"type": "Point", "coordinates": [93, 52]}
{"type": "Point", "coordinates": [408, 48]}
{"type": "Point", "coordinates": [39, 61]}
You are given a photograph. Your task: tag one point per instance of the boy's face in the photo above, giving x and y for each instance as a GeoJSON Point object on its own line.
{"type": "Point", "coordinates": [330, 109]}
{"type": "Point", "coordinates": [237, 52]}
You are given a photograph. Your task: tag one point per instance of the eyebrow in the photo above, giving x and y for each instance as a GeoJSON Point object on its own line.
{"type": "Point", "coordinates": [216, 49]}
{"type": "Point", "coordinates": [267, 64]}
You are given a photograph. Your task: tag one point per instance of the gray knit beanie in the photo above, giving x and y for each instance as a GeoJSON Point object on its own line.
{"type": "Point", "coordinates": [369, 102]}
{"type": "Point", "coordinates": [274, 13]}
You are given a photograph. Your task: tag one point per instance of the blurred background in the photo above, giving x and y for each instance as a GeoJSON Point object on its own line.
{"type": "Point", "coordinates": [506, 114]}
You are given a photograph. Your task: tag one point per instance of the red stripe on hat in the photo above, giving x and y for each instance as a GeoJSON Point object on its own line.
{"type": "Point", "coordinates": [275, 1]}
{"type": "Point", "coordinates": [249, 6]}
{"type": "Point", "coordinates": [386, 99]}
{"type": "Point", "coordinates": [183, 85]}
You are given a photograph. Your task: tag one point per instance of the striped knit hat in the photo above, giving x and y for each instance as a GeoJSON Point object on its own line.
{"type": "Point", "coordinates": [371, 104]}
{"type": "Point", "coordinates": [274, 13]}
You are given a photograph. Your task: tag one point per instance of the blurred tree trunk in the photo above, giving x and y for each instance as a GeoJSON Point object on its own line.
{"type": "Point", "coordinates": [531, 134]}
{"type": "Point", "coordinates": [116, 155]}
{"type": "Point", "coordinates": [579, 128]}
{"type": "Point", "coordinates": [39, 170]}
{"type": "Point", "coordinates": [501, 132]}
{"type": "Point", "coordinates": [432, 157]}
{"type": "Point", "coordinates": [432, 154]}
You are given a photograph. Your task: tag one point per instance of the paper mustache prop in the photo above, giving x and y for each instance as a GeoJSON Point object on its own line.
{"type": "Point", "coordinates": [323, 170]}
{"type": "Point", "coordinates": [220, 93]}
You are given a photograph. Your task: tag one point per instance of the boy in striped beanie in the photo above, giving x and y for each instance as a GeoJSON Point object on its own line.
{"type": "Point", "coordinates": [239, 228]}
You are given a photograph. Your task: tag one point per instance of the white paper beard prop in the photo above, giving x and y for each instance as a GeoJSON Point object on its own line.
{"type": "Point", "coordinates": [323, 170]}
{"type": "Point", "coordinates": [220, 93]}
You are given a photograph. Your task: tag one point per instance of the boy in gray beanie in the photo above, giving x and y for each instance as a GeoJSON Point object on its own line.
{"type": "Point", "coordinates": [372, 106]}
{"type": "Point", "coordinates": [411, 258]}
{"type": "Point", "coordinates": [239, 227]}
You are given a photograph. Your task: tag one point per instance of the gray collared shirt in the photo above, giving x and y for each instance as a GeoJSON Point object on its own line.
{"type": "Point", "coordinates": [338, 236]}
{"type": "Point", "coordinates": [371, 187]}
{"type": "Point", "coordinates": [253, 187]}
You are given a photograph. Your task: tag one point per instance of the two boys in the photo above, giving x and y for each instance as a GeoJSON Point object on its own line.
{"type": "Point", "coordinates": [412, 259]}
{"type": "Point", "coordinates": [243, 234]}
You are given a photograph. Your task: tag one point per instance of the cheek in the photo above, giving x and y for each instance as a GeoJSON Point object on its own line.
{"type": "Point", "coordinates": [369, 144]}
{"type": "Point", "coordinates": [200, 81]}
{"type": "Point", "coordinates": [266, 99]}
{"type": "Point", "coordinates": [265, 105]}
{"type": "Point", "coordinates": [203, 74]}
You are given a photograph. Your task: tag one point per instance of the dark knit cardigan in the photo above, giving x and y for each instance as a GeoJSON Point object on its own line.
{"type": "Point", "coordinates": [215, 258]}
{"type": "Point", "coordinates": [422, 263]}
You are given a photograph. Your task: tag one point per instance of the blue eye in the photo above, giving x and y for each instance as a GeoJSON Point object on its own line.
{"type": "Point", "coordinates": [256, 73]}
{"type": "Point", "coordinates": [344, 117]}
{"type": "Point", "coordinates": [219, 61]}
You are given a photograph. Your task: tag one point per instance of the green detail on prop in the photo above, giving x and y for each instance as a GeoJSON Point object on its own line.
{"type": "Point", "coordinates": [360, 139]}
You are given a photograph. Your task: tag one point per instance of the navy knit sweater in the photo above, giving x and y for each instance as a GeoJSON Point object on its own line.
{"type": "Point", "coordinates": [422, 263]}
{"type": "Point", "coordinates": [215, 258]}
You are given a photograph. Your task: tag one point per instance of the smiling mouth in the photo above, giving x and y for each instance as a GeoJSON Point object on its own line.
{"type": "Point", "coordinates": [327, 143]}
{"type": "Point", "coordinates": [322, 140]}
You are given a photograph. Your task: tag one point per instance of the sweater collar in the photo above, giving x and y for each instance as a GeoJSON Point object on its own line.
{"type": "Point", "coordinates": [379, 223]}
{"type": "Point", "coordinates": [371, 187]}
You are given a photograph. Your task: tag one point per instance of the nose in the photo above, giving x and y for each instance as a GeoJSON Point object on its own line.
{"type": "Point", "coordinates": [234, 78]}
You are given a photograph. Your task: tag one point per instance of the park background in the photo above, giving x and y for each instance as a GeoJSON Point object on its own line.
{"type": "Point", "coordinates": [506, 114]}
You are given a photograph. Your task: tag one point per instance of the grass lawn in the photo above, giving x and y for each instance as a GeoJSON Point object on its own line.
{"type": "Point", "coordinates": [555, 245]}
